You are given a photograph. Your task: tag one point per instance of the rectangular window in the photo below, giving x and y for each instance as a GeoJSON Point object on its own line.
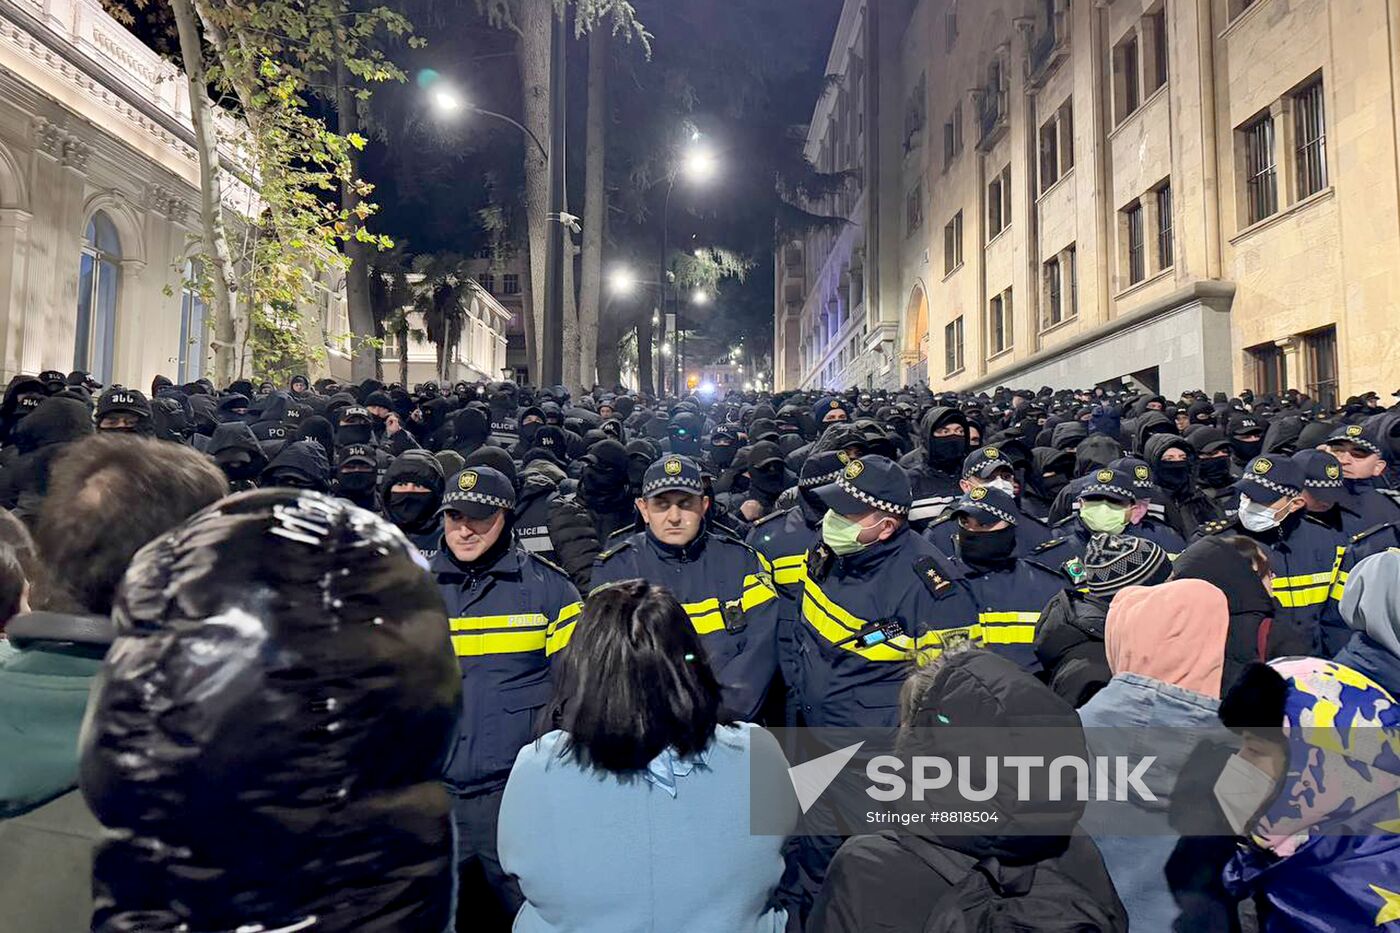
{"type": "Point", "coordinates": [1267, 360]}
{"type": "Point", "coordinates": [1054, 294]}
{"type": "Point", "coordinates": [1157, 26]}
{"type": "Point", "coordinates": [952, 136]}
{"type": "Point", "coordinates": [1137, 265]}
{"type": "Point", "coordinates": [953, 243]}
{"type": "Point", "coordinates": [391, 346]}
{"type": "Point", "coordinates": [1049, 153]}
{"type": "Point", "coordinates": [487, 281]}
{"type": "Point", "coordinates": [999, 203]}
{"type": "Point", "coordinates": [1166, 248]}
{"type": "Point", "coordinates": [950, 26]}
{"type": "Point", "coordinates": [1321, 349]}
{"type": "Point", "coordinates": [1310, 127]}
{"type": "Point", "coordinates": [512, 284]}
{"type": "Point", "coordinates": [1125, 77]}
{"type": "Point", "coordinates": [914, 210]}
{"type": "Point", "coordinates": [953, 346]}
{"type": "Point", "coordinates": [999, 331]}
{"type": "Point", "coordinates": [1070, 260]}
{"type": "Point", "coordinates": [1066, 121]}
{"type": "Point", "coordinates": [1261, 172]}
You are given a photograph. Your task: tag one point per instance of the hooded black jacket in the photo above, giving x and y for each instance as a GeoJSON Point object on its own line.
{"type": "Point", "coordinates": [1192, 508]}
{"type": "Point", "coordinates": [1049, 869]}
{"type": "Point", "coordinates": [934, 486]}
{"type": "Point", "coordinates": [1069, 645]}
{"type": "Point", "coordinates": [237, 436]}
{"type": "Point", "coordinates": [39, 438]}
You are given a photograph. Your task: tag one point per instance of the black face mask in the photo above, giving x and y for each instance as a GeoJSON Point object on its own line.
{"type": "Point", "coordinates": [947, 452]}
{"type": "Point", "coordinates": [1215, 472]}
{"type": "Point", "coordinates": [356, 482]}
{"type": "Point", "coordinates": [528, 432]}
{"type": "Point", "coordinates": [987, 548]}
{"type": "Point", "coordinates": [1054, 484]}
{"type": "Point", "coordinates": [636, 472]}
{"type": "Point", "coordinates": [768, 481]}
{"type": "Point", "coordinates": [603, 489]}
{"type": "Point", "coordinates": [1174, 475]}
{"type": "Point", "coordinates": [1246, 450]}
{"type": "Point", "coordinates": [353, 434]}
{"type": "Point", "coordinates": [292, 481]}
{"type": "Point", "coordinates": [723, 455]}
{"type": "Point", "coordinates": [237, 465]}
{"type": "Point", "coordinates": [410, 510]}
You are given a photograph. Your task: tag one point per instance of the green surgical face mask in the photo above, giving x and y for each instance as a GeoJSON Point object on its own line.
{"type": "Point", "coordinates": [1104, 517]}
{"type": "Point", "coordinates": [841, 534]}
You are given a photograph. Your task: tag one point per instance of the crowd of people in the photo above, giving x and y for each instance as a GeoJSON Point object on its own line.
{"type": "Point", "coordinates": [480, 657]}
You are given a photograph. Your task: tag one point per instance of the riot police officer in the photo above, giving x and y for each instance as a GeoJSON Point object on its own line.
{"type": "Point", "coordinates": [504, 605]}
{"type": "Point", "coordinates": [723, 584]}
{"type": "Point", "coordinates": [411, 494]}
{"type": "Point", "coordinates": [990, 467]}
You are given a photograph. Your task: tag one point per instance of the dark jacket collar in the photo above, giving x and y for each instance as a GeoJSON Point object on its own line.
{"type": "Point", "coordinates": [77, 634]}
{"type": "Point", "coordinates": [505, 564]}
{"type": "Point", "coordinates": [684, 553]}
{"type": "Point", "coordinates": [872, 557]}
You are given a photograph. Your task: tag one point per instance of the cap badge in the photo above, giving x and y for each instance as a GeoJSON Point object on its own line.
{"type": "Point", "coordinates": [1104, 476]}
{"type": "Point", "coordinates": [672, 467]}
{"type": "Point", "coordinates": [1333, 471]}
{"type": "Point", "coordinates": [842, 456]}
{"type": "Point", "coordinates": [1140, 472]}
{"type": "Point", "coordinates": [854, 469]}
{"type": "Point", "coordinates": [467, 480]}
{"type": "Point", "coordinates": [1354, 430]}
{"type": "Point", "coordinates": [977, 493]}
{"type": "Point", "coordinates": [991, 453]}
{"type": "Point", "coordinates": [1263, 465]}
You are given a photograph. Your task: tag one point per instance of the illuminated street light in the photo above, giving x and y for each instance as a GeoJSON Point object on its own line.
{"type": "Point", "coordinates": [622, 281]}
{"type": "Point", "coordinates": [700, 164]}
{"type": "Point", "coordinates": [445, 100]}
{"type": "Point", "coordinates": [700, 297]}
{"type": "Point", "coordinates": [666, 349]}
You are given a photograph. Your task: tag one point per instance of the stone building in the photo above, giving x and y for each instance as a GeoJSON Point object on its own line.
{"type": "Point", "coordinates": [479, 355]}
{"type": "Point", "coordinates": [1175, 194]}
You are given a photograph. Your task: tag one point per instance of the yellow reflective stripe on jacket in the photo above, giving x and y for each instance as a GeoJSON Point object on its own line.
{"type": "Point", "coordinates": [1008, 628]}
{"type": "Point", "coordinates": [705, 616]}
{"type": "Point", "coordinates": [477, 623]}
{"type": "Point", "coordinates": [791, 569]}
{"type": "Point", "coordinates": [478, 645]}
{"type": "Point", "coordinates": [562, 628]}
{"type": "Point", "coordinates": [835, 632]}
{"type": "Point", "coordinates": [756, 593]}
{"type": "Point", "coordinates": [1306, 589]}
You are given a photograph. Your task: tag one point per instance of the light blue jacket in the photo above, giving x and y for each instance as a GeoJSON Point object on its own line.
{"type": "Point", "coordinates": [1165, 880]}
{"type": "Point", "coordinates": [595, 853]}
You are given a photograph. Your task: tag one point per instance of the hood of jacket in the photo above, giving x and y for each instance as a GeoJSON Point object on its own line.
{"type": "Point", "coordinates": [415, 466]}
{"type": "Point", "coordinates": [1215, 561]}
{"type": "Point", "coordinates": [1173, 633]}
{"type": "Point", "coordinates": [274, 408]}
{"type": "Point", "coordinates": [981, 696]}
{"type": "Point", "coordinates": [305, 457]}
{"type": "Point", "coordinates": [234, 435]}
{"type": "Point", "coordinates": [1068, 434]}
{"type": "Point", "coordinates": [57, 420]}
{"type": "Point", "coordinates": [1371, 601]}
{"type": "Point", "coordinates": [1096, 450]}
{"type": "Point", "coordinates": [1282, 435]}
{"type": "Point", "coordinates": [1149, 423]}
{"type": "Point", "coordinates": [1159, 444]}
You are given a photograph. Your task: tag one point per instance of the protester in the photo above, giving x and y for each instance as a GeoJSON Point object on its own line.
{"type": "Point", "coordinates": [1166, 648]}
{"type": "Point", "coordinates": [1038, 872]}
{"type": "Point", "coordinates": [636, 787]}
{"type": "Point", "coordinates": [1371, 608]}
{"type": "Point", "coordinates": [253, 831]}
{"type": "Point", "coordinates": [47, 835]}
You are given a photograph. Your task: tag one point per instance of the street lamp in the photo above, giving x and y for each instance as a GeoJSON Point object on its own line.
{"type": "Point", "coordinates": [447, 102]}
{"type": "Point", "coordinates": [622, 281]}
{"type": "Point", "coordinates": [699, 164]}
{"type": "Point", "coordinates": [700, 297]}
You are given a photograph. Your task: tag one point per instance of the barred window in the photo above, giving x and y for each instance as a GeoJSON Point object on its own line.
{"type": "Point", "coordinates": [1137, 264]}
{"type": "Point", "coordinates": [1261, 178]}
{"type": "Point", "coordinates": [953, 346]}
{"type": "Point", "coordinates": [1166, 248]}
{"type": "Point", "coordinates": [1310, 125]}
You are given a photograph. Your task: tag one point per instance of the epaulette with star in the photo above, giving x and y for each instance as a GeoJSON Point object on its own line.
{"type": "Point", "coordinates": [549, 563]}
{"type": "Point", "coordinates": [769, 517]}
{"type": "Point", "coordinates": [1064, 521]}
{"type": "Point", "coordinates": [1047, 545]}
{"type": "Point", "coordinates": [1216, 527]}
{"type": "Point", "coordinates": [932, 577]}
{"type": "Point", "coordinates": [1362, 535]}
{"type": "Point", "coordinates": [614, 551]}
{"type": "Point", "coordinates": [624, 530]}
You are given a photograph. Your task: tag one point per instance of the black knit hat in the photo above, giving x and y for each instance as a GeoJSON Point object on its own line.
{"type": "Point", "coordinates": [1114, 562]}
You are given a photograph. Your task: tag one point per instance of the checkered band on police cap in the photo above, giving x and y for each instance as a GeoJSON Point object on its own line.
{"type": "Point", "coordinates": [1354, 434]}
{"type": "Point", "coordinates": [1106, 482]}
{"type": "Point", "coordinates": [850, 483]}
{"type": "Point", "coordinates": [670, 474]}
{"type": "Point", "coordinates": [479, 485]}
{"type": "Point", "coordinates": [1280, 476]}
{"type": "Point", "coordinates": [985, 460]}
{"type": "Point", "coordinates": [823, 468]}
{"type": "Point", "coordinates": [986, 504]}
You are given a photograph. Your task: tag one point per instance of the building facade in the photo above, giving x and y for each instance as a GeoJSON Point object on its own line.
{"type": "Point", "coordinates": [1173, 194]}
{"type": "Point", "coordinates": [478, 356]}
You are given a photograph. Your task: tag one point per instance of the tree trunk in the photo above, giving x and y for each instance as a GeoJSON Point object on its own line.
{"type": "Point", "coordinates": [594, 207]}
{"type": "Point", "coordinates": [527, 317]}
{"type": "Point", "coordinates": [365, 360]}
{"type": "Point", "coordinates": [536, 19]}
{"type": "Point", "coordinates": [211, 207]}
{"type": "Point", "coordinates": [609, 366]}
{"type": "Point", "coordinates": [570, 373]}
{"type": "Point", "coordinates": [403, 351]}
{"type": "Point", "coordinates": [645, 381]}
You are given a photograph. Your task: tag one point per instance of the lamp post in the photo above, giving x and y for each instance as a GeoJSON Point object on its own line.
{"type": "Point", "coordinates": [699, 165]}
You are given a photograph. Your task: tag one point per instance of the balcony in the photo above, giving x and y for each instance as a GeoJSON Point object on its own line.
{"type": "Point", "coordinates": [1047, 47]}
{"type": "Point", "coordinates": [993, 110]}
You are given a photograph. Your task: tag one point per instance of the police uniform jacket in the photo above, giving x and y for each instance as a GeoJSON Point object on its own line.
{"type": "Point", "coordinates": [532, 516]}
{"type": "Point", "coordinates": [427, 542]}
{"type": "Point", "coordinates": [902, 585]}
{"type": "Point", "coordinates": [1011, 597]}
{"type": "Point", "coordinates": [501, 616]}
{"type": "Point", "coordinates": [1077, 535]}
{"type": "Point", "coordinates": [783, 540]}
{"type": "Point", "coordinates": [728, 595]}
{"type": "Point", "coordinates": [1031, 532]}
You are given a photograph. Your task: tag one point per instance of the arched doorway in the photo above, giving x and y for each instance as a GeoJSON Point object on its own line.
{"type": "Point", "coordinates": [99, 278]}
{"type": "Point", "coordinates": [915, 355]}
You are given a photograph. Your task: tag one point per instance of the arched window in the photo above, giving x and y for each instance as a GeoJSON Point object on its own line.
{"type": "Point", "coordinates": [99, 276]}
{"type": "Point", "coordinates": [193, 337]}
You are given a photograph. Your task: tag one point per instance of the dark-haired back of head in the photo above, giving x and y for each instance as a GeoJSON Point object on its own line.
{"type": "Point", "coordinates": [635, 681]}
{"type": "Point", "coordinates": [107, 497]}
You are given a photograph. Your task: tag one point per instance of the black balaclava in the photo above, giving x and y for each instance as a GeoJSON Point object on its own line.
{"type": "Point", "coordinates": [1214, 472]}
{"type": "Point", "coordinates": [768, 480]}
{"type": "Point", "coordinates": [604, 485]}
{"type": "Point", "coordinates": [946, 453]}
{"type": "Point", "coordinates": [987, 550]}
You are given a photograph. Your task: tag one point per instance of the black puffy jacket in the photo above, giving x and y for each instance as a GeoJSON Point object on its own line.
{"type": "Point", "coordinates": [267, 736]}
{"type": "Point", "coordinates": [1069, 645]}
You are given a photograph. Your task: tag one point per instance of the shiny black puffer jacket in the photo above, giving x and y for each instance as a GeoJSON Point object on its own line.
{"type": "Point", "coordinates": [268, 733]}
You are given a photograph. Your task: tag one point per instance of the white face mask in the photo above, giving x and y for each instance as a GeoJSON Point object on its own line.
{"type": "Point", "coordinates": [1241, 790]}
{"type": "Point", "coordinates": [1004, 484]}
{"type": "Point", "coordinates": [1256, 517]}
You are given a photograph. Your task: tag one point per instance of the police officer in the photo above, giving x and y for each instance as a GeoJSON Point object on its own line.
{"type": "Point", "coordinates": [1010, 589]}
{"type": "Point", "coordinates": [934, 480]}
{"type": "Point", "coordinates": [127, 410]}
{"type": "Point", "coordinates": [1303, 551]}
{"type": "Point", "coordinates": [723, 584]}
{"type": "Point", "coordinates": [1360, 453]}
{"type": "Point", "coordinates": [1108, 504]}
{"type": "Point", "coordinates": [875, 598]}
{"type": "Point", "coordinates": [356, 474]}
{"type": "Point", "coordinates": [990, 467]}
{"type": "Point", "coordinates": [783, 539]}
{"type": "Point", "coordinates": [503, 605]}
{"type": "Point", "coordinates": [411, 493]}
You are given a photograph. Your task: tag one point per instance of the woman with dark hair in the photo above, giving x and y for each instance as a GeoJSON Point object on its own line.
{"type": "Point", "coordinates": [633, 814]}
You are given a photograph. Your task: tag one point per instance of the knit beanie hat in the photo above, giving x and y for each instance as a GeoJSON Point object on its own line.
{"type": "Point", "coordinates": [1112, 562]}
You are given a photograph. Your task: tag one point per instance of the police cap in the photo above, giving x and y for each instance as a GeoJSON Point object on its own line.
{"type": "Point", "coordinates": [672, 473]}
{"type": "Point", "coordinates": [871, 482]}
{"type": "Point", "coordinates": [478, 492]}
